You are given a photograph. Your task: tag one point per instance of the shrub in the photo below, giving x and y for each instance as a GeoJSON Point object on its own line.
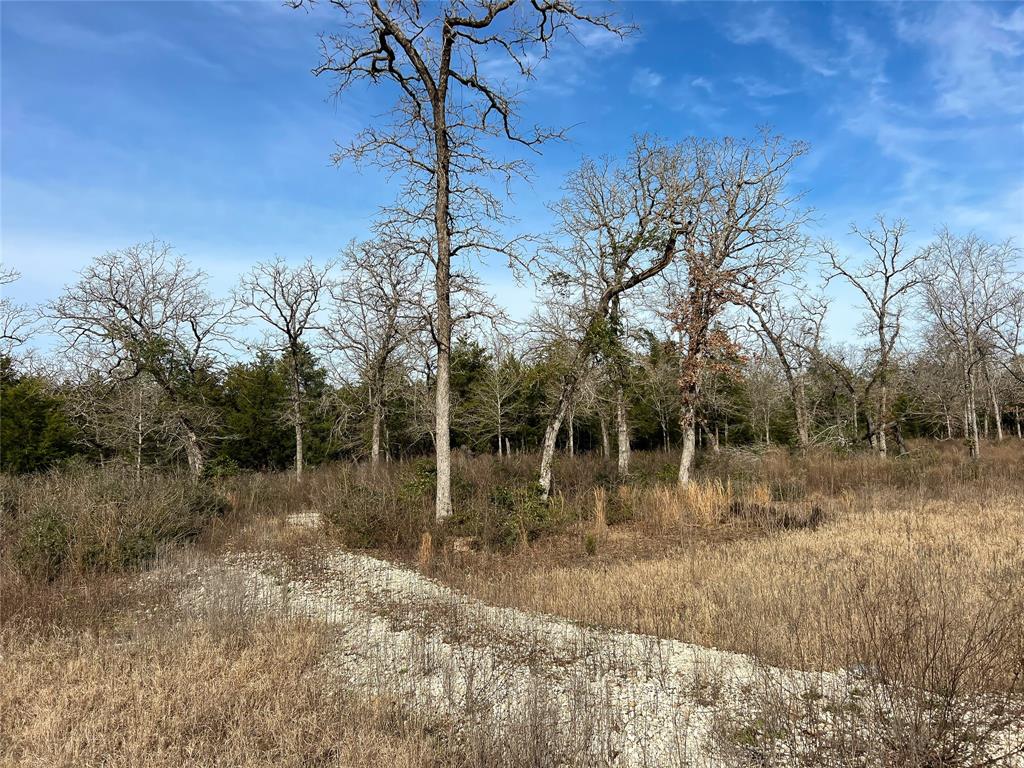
{"type": "Point", "coordinates": [386, 510]}
{"type": "Point", "coordinates": [100, 519]}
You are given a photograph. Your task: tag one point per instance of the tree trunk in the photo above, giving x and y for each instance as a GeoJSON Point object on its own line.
{"type": "Point", "coordinates": [883, 420]}
{"type": "Point", "coordinates": [375, 438]}
{"type": "Point", "coordinates": [548, 451]}
{"type": "Point", "coordinates": [499, 431]}
{"type": "Point", "coordinates": [138, 442]}
{"type": "Point", "coordinates": [571, 442]}
{"type": "Point", "coordinates": [803, 421]}
{"type": "Point", "coordinates": [192, 450]}
{"type": "Point", "coordinates": [442, 288]}
{"type": "Point", "coordinates": [622, 425]}
{"type": "Point", "coordinates": [606, 449]}
{"type": "Point", "coordinates": [688, 422]}
{"type": "Point", "coordinates": [297, 412]}
{"type": "Point", "coordinates": [297, 415]}
{"type": "Point", "coordinates": [997, 415]}
{"type": "Point", "coordinates": [971, 415]}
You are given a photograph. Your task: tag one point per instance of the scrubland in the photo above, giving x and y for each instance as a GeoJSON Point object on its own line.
{"type": "Point", "coordinates": [907, 574]}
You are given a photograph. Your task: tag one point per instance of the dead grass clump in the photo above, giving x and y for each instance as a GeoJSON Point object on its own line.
{"type": "Point", "coordinates": [701, 503]}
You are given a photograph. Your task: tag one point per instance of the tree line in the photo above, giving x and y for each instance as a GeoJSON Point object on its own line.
{"type": "Point", "coordinates": [153, 369]}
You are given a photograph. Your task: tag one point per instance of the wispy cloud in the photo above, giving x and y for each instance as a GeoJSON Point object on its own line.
{"type": "Point", "coordinates": [770, 28]}
{"type": "Point", "coordinates": [66, 35]}
{"type": "Point", "coordinates": [759, 88]}
{"type": "Point", "coordinates": [975, 55]}
{"type": "Point", "coordinates": [645, 82]}
{"type": "Point", "coordinates": [694, 95]}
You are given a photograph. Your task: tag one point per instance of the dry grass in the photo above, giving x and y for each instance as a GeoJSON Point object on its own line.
{"type": "Point", "coordinates": [184, 695]}
{"type": "Point", "coordinates": [910, 571]}
{"type": "Point", "coordinates": [796, 583]}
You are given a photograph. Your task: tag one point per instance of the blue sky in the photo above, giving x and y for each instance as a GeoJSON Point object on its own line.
{"type": "Point", "coordinates": [202, 125]}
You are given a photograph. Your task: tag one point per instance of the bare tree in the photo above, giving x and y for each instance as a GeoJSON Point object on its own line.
{"type": "Point", "coordinates": [886, 279]}
{"type": "Point", "coordinates": [623, 224]}
{"type": "Point", "coordinates": [968, 284]}
{"type": "Point", "coordinates": [448, 110]}
{"type": "Point", "coordinates": [143, 310]}
{"type": "Point", "coordinates": [764, 379]}
{"type": "Point", "coordinates": [496, 390]}
{"type": "Point", "coordinates": [743, 221]}
{"type": "Point", "coordinates": [793, 331]}
{"type": "Point", "coordinates": [17, 321]}
{"type": "Point", "coordinates": [611, 213]}
{"type": "Point", "coordinates": [130, 417]}
{"type": "Point", "coordinates": [289, 300]}
{"type": "Point", "coordinates": [378, 309]}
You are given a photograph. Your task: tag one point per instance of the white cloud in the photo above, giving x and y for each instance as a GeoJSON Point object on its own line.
{"type": "Point", "coordinates": [759, 88]}
{"type": "Point", "coordinates": [59, 33]}
{"type": "Point", "coordinates": [702, 82]}
{"type": "Point", "coordinates": [645, 82]}
{"type": "Point", "coordinates": [975, 56]}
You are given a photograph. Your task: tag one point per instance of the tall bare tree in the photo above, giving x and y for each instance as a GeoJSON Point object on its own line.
{"type": "Point", "coordinates": [144, 310]}
{"type": "Point", "coordinates": [448, 110]}
{"type": "Point", "coordinates": [611, 213]}
{"type": "Point", "coordinates": [289, 300]}
{"type": "Point", "coordinates": [793, 331]}
{"type": "Point", "coordinates": [886, 278]}
{"type": "Point", "coordinates": [743, 220]}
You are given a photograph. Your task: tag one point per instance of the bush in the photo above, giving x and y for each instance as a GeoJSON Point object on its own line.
{"type": "Point", "coordinates": [389, 509]}
{"type": "Point", "coordinates": [99, 519]}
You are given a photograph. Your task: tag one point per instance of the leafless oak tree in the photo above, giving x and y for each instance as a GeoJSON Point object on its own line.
{"type": "Point", "coordinates": [968, 284]}
{"type": "Point", "coordinates": [378, 308]}
{"type": "Point", "coordinates": [623, 224]}
{"type": "Point", "coordinates": [743, 221]}
{"type": "Point", "coordinates": [793, 331]}
{"type": "Point", "coordinates": [448, 109]}
{"type": "Point", "coordinates": [143, 310]}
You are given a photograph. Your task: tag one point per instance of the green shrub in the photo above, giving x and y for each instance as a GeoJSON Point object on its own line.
{"type": "Point", "coordinates": [42, 544]}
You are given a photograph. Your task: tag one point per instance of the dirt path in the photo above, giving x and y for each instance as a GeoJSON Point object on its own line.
{"type": "Point", "coordinates": [588, 696]}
